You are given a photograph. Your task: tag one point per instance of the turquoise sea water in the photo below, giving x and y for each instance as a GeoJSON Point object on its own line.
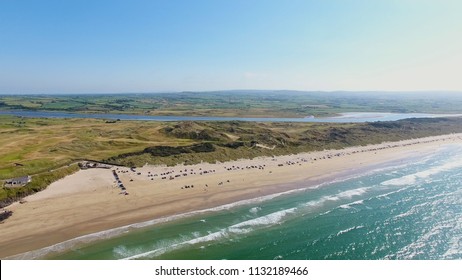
{"type": "Point", "coordinates": [410, 210]}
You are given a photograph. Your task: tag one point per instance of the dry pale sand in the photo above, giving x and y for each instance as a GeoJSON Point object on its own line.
{"type": "Point", "coordinates": [89, 201]}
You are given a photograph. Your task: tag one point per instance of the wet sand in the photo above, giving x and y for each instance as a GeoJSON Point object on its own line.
{"type": "Point", "coordinates": [91, 201]}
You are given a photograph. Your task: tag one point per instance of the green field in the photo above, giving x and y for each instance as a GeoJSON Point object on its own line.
{"type": "Point", "coordinates": [239, 103]}
{"type": "Point", "coordinates": [29, 146]}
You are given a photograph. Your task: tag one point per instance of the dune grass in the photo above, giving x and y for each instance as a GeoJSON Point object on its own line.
{"type": "Point", "coordinates": [30, 146]}
{"type": "Point", "coordinates": [235, 140]}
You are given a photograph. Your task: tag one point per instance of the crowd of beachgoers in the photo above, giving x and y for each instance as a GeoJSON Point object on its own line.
{"type": "Point", "coordinates": [266, 165]}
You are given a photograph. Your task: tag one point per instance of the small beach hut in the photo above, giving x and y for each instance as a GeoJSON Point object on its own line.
{"type": "Point", "coordinates": [17, 182]}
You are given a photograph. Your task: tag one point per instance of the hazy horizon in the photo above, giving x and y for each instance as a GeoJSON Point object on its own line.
{"type": "Point", "coordinates": [273, 91]}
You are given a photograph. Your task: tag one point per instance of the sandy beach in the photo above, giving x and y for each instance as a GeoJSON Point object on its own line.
{"type": "Point", "coordinates": [90, 200]}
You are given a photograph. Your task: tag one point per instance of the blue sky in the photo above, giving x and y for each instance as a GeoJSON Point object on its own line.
{"type": "Point", "coordinates": [149, 46]}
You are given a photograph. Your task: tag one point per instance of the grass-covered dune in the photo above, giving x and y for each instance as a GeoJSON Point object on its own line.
{"type": "Point", "coordinates": [48, 148]}
{"type": "Point", "coordinates": [234, 140]}
{"type": "Point", "coordinates": [31, 146]}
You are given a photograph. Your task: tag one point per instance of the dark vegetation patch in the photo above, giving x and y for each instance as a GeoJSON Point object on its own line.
{"type": "Point", "coordinates": [5, 214]}
{"type": "Point", "coordinates": [165, 151]}
{"type": "Point", "coordinates": [234, 145]}
{"type": "Point", "coordinates": [194, 131]}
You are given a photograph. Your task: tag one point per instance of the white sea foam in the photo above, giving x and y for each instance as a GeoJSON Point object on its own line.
{"type": "Point", "coordinates": [413, 178]}
{"type": "Point", "coordinates": [349, 205]}
{"type": "Point", "coordinates": [357, 202]}
{"type": "Point", "coordinates": [387, 195]}
{"type": "Point", "coordinates": [122, 251]}
{"type": "Point", "coordinates": [246, 227]}
{"type": "Point", "coordinates": [254, 210]}
{"type": "Point", "coordinates": [351, 193]}
{"type": "Point", "coordinates": [166, 246]}
{"type": "Point", "coordinates": [349, 229]}
{"type": "Point", "coordinates": [196, 234]}
{"type": "Point", "coordinates": [402, 181]}
{"type": "Point", "coordinates": [233, 230]}
{"type": "Point", "coordinates": [208, 238]}
{"type": "Point", "coordinates": [269, 219]}
{"type": "Point", "coordinates": [342, 195]}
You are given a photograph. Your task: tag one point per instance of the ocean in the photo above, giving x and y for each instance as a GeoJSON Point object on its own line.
{"type": "Point", "coordinates": [406, 210]}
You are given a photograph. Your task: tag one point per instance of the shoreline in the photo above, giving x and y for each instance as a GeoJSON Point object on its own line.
{"type": "Point", "coordinates": [89, 203]}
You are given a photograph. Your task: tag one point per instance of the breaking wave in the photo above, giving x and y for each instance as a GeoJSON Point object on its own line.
{"type": "Point", "coordinates": [413, 178]}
